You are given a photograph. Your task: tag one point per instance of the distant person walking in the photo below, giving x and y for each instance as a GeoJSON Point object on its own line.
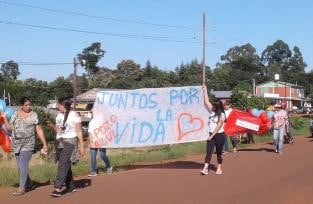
{"type": "Point", "coordinates": [280, 120]}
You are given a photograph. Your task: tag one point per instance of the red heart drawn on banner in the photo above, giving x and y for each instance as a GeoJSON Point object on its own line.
{"type": "Point", "coordinates": [192, 121]}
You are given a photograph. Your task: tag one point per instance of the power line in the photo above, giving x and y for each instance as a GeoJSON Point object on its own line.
{"type": "Point", "coordinates": [145, 37]}
{"type": "Point", "coordinates": [43, 64]}
{"type": "Point", "coordinates": [214, 29]}
{"type": "Point", "coordinates": [98, 17]}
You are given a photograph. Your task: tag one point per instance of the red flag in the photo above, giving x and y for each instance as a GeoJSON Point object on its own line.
{"type": "Point", "coordinates": [239, 122]}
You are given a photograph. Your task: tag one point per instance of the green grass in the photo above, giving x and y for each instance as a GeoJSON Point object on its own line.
{"type": "Point", "coordinates": [157, 155]}
{"type": "Point", "coordinates": [8, 176]}
{"type": "Point", "coordinates": [43, 171]}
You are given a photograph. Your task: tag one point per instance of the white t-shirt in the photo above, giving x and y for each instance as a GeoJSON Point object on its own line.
{"type": "Point", "coordinates": [213, 121]}
{"type": "Point", "coordinates": [92, 138]}
{"type": "Point", "coordinates": [70, 125]}
{"type": "Point", "coordinates": [227, 112]}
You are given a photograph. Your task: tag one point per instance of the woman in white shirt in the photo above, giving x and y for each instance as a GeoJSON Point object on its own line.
{"type": "Point", "coordinates": [68, 134]}
{"type": "Point", "coordinates": [216, 136]}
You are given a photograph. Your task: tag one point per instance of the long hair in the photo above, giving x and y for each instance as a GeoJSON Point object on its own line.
{"type": "Point", "coordinates": [218, 108]}
{"type": "Point", "coordinates": [67, 103]}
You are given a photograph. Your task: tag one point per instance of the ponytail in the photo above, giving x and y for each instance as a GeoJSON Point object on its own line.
{"type": "Point", "coordinates": [67, 103]}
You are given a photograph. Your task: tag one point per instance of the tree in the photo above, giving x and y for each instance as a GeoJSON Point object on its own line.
{"type": "Point", "coordinates": [103, 77]}
{"type": "Point", "coordinates": [222, 79]}
{"type": "Point", "coordinates": [127, 76]}
{"type": "Point", "coordinates": [276, 58]}
{"type": "Point", "coordinates": [242, 100]}
{"type": "Point", "coordinates": [10, 70]}
{"type": "Point", "coordinates": [295, 66]}
{"type": "Point", "coordinates": [191, 74]}
{"type": "Point", "coordinates": [128, 69]}
{"type": "Point", "coordinates": [148, 69]}
{"type": "Point", "coordinates": [239, 64]}
{"type": "Point", "coordinates": [61, 87]}
{"type": "Point", "coordinates": [90, 57]}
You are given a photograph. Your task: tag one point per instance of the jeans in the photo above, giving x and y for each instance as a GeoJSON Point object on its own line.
{"type": "Point", "coordinates": [225, 147]}
{"type": "Point", "coordinates": [278, 136]}
{"type": "Point", "coordinates": [93, 157]}
{"type": "Point", "coordinates": [234, 141]}
{"type": "Point", "coordinates": [22, 161]}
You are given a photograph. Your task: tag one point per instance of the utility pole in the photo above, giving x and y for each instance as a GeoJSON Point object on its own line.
{"type": "Point", "coordinates": [74, 84]}
{"type": "Point", "coordinates": [253, 85]}
{"type": "Point", "coordinates": [203, 51]}
{"type": "Point", "coordinates": [286, 94]}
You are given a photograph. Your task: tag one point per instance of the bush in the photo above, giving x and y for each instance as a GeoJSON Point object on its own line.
{"type": "Point", "coordinates": [243, 100]}
{"type": "Point", "coordinates": [297, 123]}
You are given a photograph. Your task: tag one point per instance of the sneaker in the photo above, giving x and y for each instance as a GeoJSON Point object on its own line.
{"type": "Point", "coordinates": [93, 175]}
{"type": "Point", "coordinates": [276, 151]}
{"type": "Point", "coordinates": [109, 170]}
{"type": "Point", "coordinates": [56, 193]}
{"type": "Point", "coordinates": [219, 172]}
{"type": "Point", "coordinates": [204, 171]}
{"type": "Point", "coordinates": [235, 150]}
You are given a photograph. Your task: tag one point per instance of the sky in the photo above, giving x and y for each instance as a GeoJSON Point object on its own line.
{"type": "Point", "coordinates": [165, 32]}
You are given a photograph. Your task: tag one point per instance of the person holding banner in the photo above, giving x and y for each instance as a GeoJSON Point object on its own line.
{"type": "Point", "coordinates": [25, 125]}
{"type": "Point", "coordinates": [94, 148]}
{"type": "Point", "coordinates": [216, 136]}
{"type": "Point", "coordinates": [280, 120]}
{"type": "Point", "coordinates": [68, 133]}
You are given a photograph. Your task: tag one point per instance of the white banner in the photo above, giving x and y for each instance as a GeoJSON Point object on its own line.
{"type": "Point", "coordinates": [147, 117]}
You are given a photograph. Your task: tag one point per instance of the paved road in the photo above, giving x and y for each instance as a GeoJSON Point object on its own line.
{"type": "Point", "coordinates": [254, 175]}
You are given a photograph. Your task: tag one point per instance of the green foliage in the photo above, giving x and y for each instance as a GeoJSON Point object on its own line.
{"type": "Point", "coordinates": [191, 74]}
{"type": "Point", "coordinates": [297, 123]}
{"type": "Point", "coordinates": [242, 100]}
{"type": "Point", "coordinates": [89, 59]}
{"type": "Point", "coordinates": [9, 70]}
{"type": "Point", "coordinates": [239, 64]}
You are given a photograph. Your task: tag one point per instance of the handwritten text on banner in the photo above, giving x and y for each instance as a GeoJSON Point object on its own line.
{"type": "Point", "coordinates": [147, 117]}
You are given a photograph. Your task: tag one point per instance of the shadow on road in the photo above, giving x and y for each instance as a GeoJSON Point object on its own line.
{"type": "Point", "coordinates": [170, 165]}
{"type": "Point", "coordinates": [258, 149]}
{"type": "Point", "coordinates": [82, 183]}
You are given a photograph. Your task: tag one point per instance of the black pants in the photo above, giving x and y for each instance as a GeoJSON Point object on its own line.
{"type": "Point", "coordinates": [250, 138]}
{"type": "Point", "coordinates": [64, 172]}
{"type": "Point", "coordinates": [218, 142]}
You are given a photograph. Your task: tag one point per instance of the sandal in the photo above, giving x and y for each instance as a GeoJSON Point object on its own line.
{"type": "Point", "coordinates": [219, 172]}
{"type": "Point", "coordinates": [18, 192]}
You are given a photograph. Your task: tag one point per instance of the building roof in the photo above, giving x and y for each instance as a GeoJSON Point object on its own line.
{"type": "Point", "coordinates": [275, 83]}
{"type": "Point", "coordinates": [221, 94]}
{"type": "Point", "coordinates": [90, 96]}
